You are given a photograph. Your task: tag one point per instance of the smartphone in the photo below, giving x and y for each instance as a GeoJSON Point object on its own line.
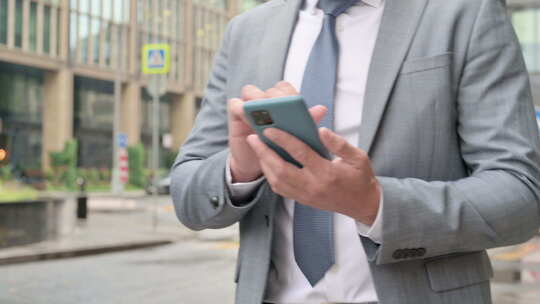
{"type": "Point", "coordinates": [289, 114]}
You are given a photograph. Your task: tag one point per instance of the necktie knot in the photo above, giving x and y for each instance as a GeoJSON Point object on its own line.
{"type": "Point", "coordinates": [336, 7]}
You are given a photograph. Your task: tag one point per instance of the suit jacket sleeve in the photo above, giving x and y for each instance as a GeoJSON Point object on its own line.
{"type": "Point", "coordinates": [498, 204]}
{"type": "Point", "coordinates": [198, 186]}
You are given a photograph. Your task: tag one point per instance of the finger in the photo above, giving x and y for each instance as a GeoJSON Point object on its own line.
{"type": "Point", "coordinates": [273, 93]}
{"type": "Point", "coordinates": [287, 88]}
{"type": "Point", "coordinates": [297, 149]}
{"type": "Point", "coordinates": [318, 113]}
{"type": "Point", "coordinates": [338, 146]}
{"type": "Point", "coordinates": [285, 179]}
{"type": "Point", "coordinates": [264, 153]}
{"type": "Point", "coordinates": [251, 92]}
{"type": "Point", "coordinates": [236, 110]}
{"type": "Point", "coordinates": [285, 186]}
{"type": "Point", "coordinates": [274, 164]}
{"type": "Point", "coordinates": [236, 107]}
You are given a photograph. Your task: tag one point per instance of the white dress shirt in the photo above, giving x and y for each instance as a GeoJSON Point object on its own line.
{"type": "Point", "coordinates": [349, 280]}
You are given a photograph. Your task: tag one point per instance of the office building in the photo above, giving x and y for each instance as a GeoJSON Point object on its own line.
{"type": "Point", "coordinates": [59, 60]}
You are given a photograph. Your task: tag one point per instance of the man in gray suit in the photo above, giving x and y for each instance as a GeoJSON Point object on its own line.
{"type": "Point", "coordinates": [436, 145]}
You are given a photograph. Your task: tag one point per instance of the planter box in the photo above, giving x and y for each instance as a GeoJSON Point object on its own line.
{"type": "Point", "coordinates": [23, 223]}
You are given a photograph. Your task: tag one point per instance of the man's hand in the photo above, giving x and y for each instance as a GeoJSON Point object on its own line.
{"type": "Point", "coordinates": [244, 162]}
{"type": "Point", "coordinates": [346, 185]}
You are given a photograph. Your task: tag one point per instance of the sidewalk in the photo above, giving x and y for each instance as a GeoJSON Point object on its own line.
{"type": "Point", "coordinates": [114, 224]}
{"type": "Point", "coordinates": [517, 263]}
{"type": "Point", "coordinates": [517, 273]}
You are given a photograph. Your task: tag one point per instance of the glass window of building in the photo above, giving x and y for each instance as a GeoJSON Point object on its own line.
{"type": "Point", "coordinates": [21, 114]}
{"type": "Point", "coordinates": [93, 121]}
{"type": "Point", "coordinates": [46, 29]}
{"type": "Point", "coordinates": [33, 31]}
{"type": "Point", "coordinates": [208, 25]}
{"type": "Point", "coordinates": [3, 21]}
{"type": "Point", "coordinates": [527, 25]}
{"type": "Point", "coordinates": [18, 23]}
{"type": "Point", "coordinates": [99, 32]}
{"type": "Point", "coordinates": [33, 23]}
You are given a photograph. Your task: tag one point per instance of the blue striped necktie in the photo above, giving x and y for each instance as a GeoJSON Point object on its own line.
{"type": "Point", "coordinates": [313, 228]}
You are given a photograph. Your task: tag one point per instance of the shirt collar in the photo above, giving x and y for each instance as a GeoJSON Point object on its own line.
{"type": "Point", "coordinates": [311, 5]}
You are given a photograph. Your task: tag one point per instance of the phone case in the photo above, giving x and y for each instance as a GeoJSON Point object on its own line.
{"type": "Point", "coordinates": [291, 115]}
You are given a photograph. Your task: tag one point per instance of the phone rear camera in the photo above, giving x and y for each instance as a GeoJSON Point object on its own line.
{"type": "Point", "coordinates": [262, 118]}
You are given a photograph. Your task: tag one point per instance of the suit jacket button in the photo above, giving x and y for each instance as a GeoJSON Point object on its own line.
{"type": "Point", "coordinates": [214, 200]}
{"type": "Point", "coordinates": [415, 252]}
{"type": "Point", "coordinates": [408, 253]}
{"type": "Point", "coordinates": [419, 252]}
{"type": "Point", "coordinates": [398, 254]}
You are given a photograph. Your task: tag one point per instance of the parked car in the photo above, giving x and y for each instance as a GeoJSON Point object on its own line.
{"type": "Point", "coordinates": [163, 186]}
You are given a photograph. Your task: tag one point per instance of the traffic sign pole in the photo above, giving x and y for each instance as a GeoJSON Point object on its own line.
{"type": "Point", "coordinates": [156, 62]}
{"type": "Point", "coordinates": [155, 145]}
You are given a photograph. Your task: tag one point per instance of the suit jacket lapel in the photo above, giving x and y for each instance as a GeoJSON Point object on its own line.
{"type": "Point", "coordinates": [399, 22]}
{"type": "Point", "coordinates": [275, 42]}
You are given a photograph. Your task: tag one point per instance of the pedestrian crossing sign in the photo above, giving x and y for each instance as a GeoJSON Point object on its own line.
{"type": "Point", "coordinates": [156, 58]}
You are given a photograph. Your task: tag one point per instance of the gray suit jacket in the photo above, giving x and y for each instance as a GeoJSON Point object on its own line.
{"type": "Point", "coordinates": [450, 129]}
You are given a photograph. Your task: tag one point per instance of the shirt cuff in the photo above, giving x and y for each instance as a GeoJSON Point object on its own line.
{"type": "Point", "coordinates": [240, 192]}
{"type": "Point", "coordinates": [373, 232]}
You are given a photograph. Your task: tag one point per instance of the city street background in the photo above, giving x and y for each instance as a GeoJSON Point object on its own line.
{"type": "Point", "coordinates": [87, 133]}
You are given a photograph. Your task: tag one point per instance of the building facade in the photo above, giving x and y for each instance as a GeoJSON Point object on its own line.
{"type": "Point", "coordinates": [525, 16]}
{"type": "Point", "coordinates": [60, 58]}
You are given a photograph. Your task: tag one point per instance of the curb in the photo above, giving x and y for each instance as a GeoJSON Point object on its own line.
{"type": "Point", "coordinates": [45, 256]}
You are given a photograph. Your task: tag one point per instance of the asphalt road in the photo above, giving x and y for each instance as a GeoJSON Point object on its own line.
{"type": "Point", "coordinates": [188, 272]}
{"type": "Point", "coordinates": [184, 273]}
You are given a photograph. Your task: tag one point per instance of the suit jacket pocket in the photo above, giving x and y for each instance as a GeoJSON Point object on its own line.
{"type": "Point", "coordinates": [456, 271]}
{"type": "Point", "coordinates": [426, 63]}
{"type": "Point", "coordinates": [424, 104]}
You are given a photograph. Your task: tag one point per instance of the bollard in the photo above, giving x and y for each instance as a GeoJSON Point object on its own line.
{"type": "Point", "coordinates": [82, 199]}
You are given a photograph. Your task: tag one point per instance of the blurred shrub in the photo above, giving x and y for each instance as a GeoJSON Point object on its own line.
{"type": "Point", "coordinates": [64, 165]}
{"type": "Point", "coordinates": [169, 158]}
{"type": "Point", "coordinates": [96, 179]}
{"type": "Point", "coordinates": [93, 177]}
{"type": "Point", "coordinates": [6, 172]}
{"type": "Point", "coordinates": [103, 174]}
{"type": "Point", "coordinates": [136, 165]}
